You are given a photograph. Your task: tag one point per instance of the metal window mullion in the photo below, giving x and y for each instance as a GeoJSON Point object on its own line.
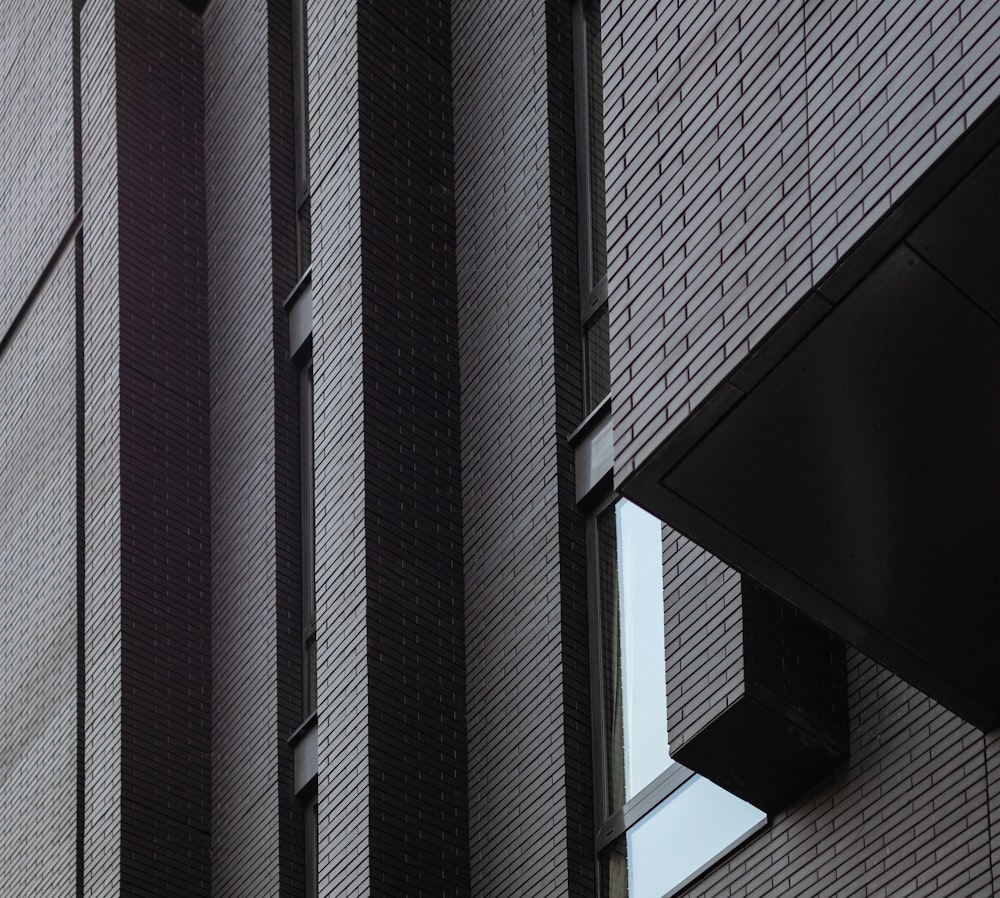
{"type": "Point", "coordinates": [647, 801]}
{"type": "Point", "coordinates": [308, 527]}
{"type": "Point", "coordinates": [594, 302]}
{"type": "Point", "coordinates": [599, 748]}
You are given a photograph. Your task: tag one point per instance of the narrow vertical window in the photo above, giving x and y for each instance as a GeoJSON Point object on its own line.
{"type": "Point", "coordinates": [611, 668]}
{"type": "Point", "coordinates": [312, 847]}
{"type": "Point", "coordinates": [592, 228]}
{"type": "Point", "coordinates": [301, 314]}
{"type": "Point", "coordinates": [641, 647]}
{"type": "Point", "coordinates": [300, 93]}
{"type": "Point", "coordinates": [659, 824]}
{"type": "Point", "coordinates": [305, 738]}
{"type": "Point", "coordinates": [308, 538]}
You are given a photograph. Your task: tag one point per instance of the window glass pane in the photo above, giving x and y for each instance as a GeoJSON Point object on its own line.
{"type": "Point", "coordinates": [611, 660]}
{"type": "Point", "coordinates": [688, 830]}
{"type": "Point", "coordinates": [644, 691]}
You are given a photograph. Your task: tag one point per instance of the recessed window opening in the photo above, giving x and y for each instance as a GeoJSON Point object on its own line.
{"type": "Point", "coordinates": [300, 93]}
{"type": "Point", "coordinates": [659, 824]}
{"type": "Point", "coordinates": [591, 216]}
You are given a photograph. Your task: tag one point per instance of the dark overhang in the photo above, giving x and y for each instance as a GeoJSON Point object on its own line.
{"type": "Point", "coordinates": [852, 463]}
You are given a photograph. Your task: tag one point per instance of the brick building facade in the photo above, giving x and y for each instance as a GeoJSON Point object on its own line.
{"type": "Point", "coordinates": [418, 415]}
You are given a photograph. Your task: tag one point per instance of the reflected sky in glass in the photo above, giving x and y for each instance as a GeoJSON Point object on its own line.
{"type": "Point", "coordinates": [686, 831]}
{"type": "Point", "coordinates": [644, 698]}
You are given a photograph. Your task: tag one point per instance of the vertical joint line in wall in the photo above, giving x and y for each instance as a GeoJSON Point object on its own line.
{"type": "Point", "coordinates": [81, 681]}
{"type": "Point", "coordinates": [805, 79]}
{"type": "Point", "coordinates": [80, 466]}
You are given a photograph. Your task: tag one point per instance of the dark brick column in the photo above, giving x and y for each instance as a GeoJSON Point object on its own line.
{"type": "Point", "coordinates": [390, 629]}
{"type": "Point", "coordinates": [530, 789]}
{"type": "Point", "coordinates": [147, 469]}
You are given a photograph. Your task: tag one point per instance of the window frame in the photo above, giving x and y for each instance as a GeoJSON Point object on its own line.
{"type": "Point", "coordinates": [310, 841]}
{"type": "Point", "coordinates": [300, 109]}
{"type": "Point", "coordinates": [611, 827]}
{"type": "Point", "coordinates": [593, 295]}
{"type": "Point", "coordinates": [594, 475]}
{"type": "Point", "coordinates": [307, 492]}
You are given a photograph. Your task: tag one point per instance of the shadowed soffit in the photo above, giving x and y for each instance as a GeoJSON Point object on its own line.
{"type": "Point", "coordinates": [852, 463]}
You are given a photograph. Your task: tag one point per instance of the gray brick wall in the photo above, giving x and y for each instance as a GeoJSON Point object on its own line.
{"type": "Point", "coordinates": [38, 581]}
{"type": "Point", "coordinates": [703, 624]}
{"type": "Point", "coordinates": [340, 538]}
{"type": "Point", "coordinates": [103, 809]}
{"type": "Point", "coordinates": [909, 814]}
{"type": "Point", "coordinates": [710, 242]}
{"type": "Point", "coordinates": [39, 576]}
{"type": "Point", "coordinates": [748, 148]}
{"type": "Point", "coordinates": [36, 127]}
{"type": "Point", "coordinates": [531, 820]}
{"type": "Point", "coordinates": [256, 696]}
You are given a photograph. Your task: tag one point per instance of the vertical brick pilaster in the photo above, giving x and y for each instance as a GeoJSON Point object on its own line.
{"type": "Point", "coordinates": [102, 436]}
{"type": "Point", "coordinates": [528, 706]}
{"type": "Point", "coordinates": [344, 857]}
{"type": "Point", "coordinates": [392, 768]}
{"type": "Point", "coordinates": [256, 696]}
{"type": "Point", "coordinates": [413, 517]}
{"type": "Point", "coordinates": [147, 526]}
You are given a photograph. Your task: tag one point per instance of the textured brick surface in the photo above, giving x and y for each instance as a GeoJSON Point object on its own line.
{"type": "Point", "coordinates": [39, 500]}
{"type": "Point", "coordinates": [756, 692]}
{"type": "Point", "coordinates": [256, 699]}
{"type": "Point", "coordinates": [711, 237]}
{"type": "Point", "coordinates": [890, 87]}
{"type": "Point", "coordinates": [907, 815]}
{"type": "Point", "coordinates": [748, 148]}
{"type": "Point", "coordinates": [38, 581]}
{"type": "Point", "coordinates": [991, 785]}
{"type": "Point", "coordinates": [340, 540]}
{"type": "Point", "coordinates": [703, 624]}
{"type": "Point", "coordinates": [413, 516]}
{"type": "Point", "coordinates": [103, 800]}
{"type": "Point", "coordinates": [36, 127]}
{"type": "Point", "coordinates": [531, 829]}
{"type": "Point", "coordinates": [794, 666]}
{"type": "Point", "coordinates": [390, 632]}
{"type": "Point", "coordinates": [147, 526]}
